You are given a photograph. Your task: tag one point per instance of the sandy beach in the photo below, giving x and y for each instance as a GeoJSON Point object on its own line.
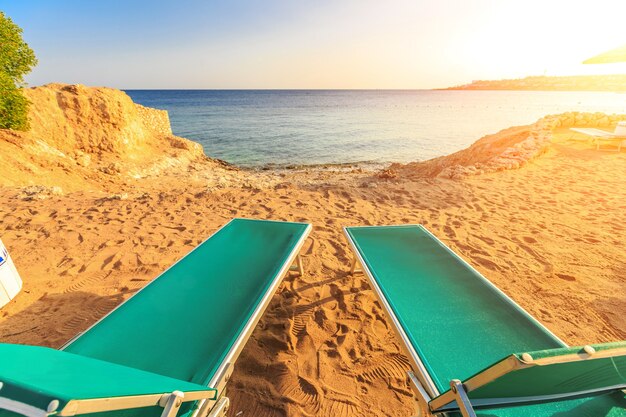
{"type": "Point", "coordinates": [85, 235]}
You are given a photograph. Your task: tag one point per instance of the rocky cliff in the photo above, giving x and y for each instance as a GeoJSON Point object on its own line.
{"type": "Point", "coordinates": [90, 135]}
{"type": "Point", "coordinates": [508, 149]}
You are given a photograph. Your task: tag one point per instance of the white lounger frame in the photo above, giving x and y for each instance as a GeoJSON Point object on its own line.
{"type": "Point", "coordinates": [219, 406]}
{"type": "Point", "coordinates": [422, 383]}
{"type": "Point", "coordinates": [170, 402]}
{"type": "Point", "coordinates": [598, 136]}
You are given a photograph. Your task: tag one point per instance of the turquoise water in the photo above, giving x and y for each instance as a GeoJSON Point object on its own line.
{"type": "Point", "coordinates": [255, 128]}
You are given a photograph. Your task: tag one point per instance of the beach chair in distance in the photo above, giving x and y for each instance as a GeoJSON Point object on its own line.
{"type": "Point", "coordinates": [170, 349]}
{"type": "Point", "coordinates": [600, 137]}
{"type": "Point", "coordinates": [460, 333]}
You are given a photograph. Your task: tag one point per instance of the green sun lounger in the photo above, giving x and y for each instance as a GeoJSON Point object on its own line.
{"type": "Point", "coordinates": [168, 350]}
{"type": "Point", "coordinates": [460, 333]}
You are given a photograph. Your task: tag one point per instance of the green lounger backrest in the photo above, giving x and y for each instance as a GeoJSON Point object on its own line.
{"type": "Point", "coordinates": [456, 320]}
{"type": "Point", "coordinates": [39, 381]}
{"type": "Point", "coordinates": [185, 322]}
{"type": "Point", "coordinates": [545, 376]}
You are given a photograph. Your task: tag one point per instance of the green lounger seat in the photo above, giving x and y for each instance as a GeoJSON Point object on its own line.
{"type": "Point", "coordinates": [456, 325]}
{"type": "Point", "coordinates": [188, 325]}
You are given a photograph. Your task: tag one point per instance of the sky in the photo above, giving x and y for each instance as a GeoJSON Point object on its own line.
{"type": "Point", "coordinates": [240, 44]}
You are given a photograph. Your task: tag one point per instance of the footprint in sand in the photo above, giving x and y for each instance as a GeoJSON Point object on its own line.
{"type": "Point", "coordinates": [486, 239]}
{"type": "Point", "coordinates": [66, 260]}
{"type": "Point", "coordinates": [383, 366]}
{"type": "Point", "coordinates": [75, 323]}
{"type": "Point", "coordinates": [299, 390]}
{"type": "Point", "coordinates": [88, 280]}
{"type": "Point", "coordinates": [486, 263]}
{"type": "Point", "coordinates": [341, 334]}
{"type": "Point", "coordinates": [449, 232]}
{"type": "Point", "coordinates": [301, 315]}
{"type": "Point", "coordinates": [104, 306]}
{"type": "Point", "coordinates": [244, 404]}
{"type": "Point", "coordinates": [338, 295]}
{"type": "Point", "coordinates": [307, 354]}
{"type": "Point", "coordinates": [566, 277]}
{"type": "Point", "coordinates": [136, 284]}
{"type": "Point", "coordinates": [337, 404]}
{"type": "Point", "coordinates": [379, 327]}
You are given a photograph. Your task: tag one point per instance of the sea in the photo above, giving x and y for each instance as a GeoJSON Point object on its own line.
{"type": "Point", "coordinates": [287, 128]}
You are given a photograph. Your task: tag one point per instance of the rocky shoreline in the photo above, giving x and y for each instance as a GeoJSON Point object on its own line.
{"type": "Point", "coordinates": [508, 149]}
{"type": "Point", "coordinates": [97, 137]}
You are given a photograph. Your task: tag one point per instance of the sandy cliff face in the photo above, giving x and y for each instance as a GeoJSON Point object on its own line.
{"type": "Point", "coordinates": [94, 120]}
{"type": "Point", "coordinates": [90, 135]}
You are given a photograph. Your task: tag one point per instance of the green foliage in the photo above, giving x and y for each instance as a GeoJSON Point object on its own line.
{"type": "Point", "coordinates": [16, 57]}
{"type": "Point", "coordinates": [13, 105]}
{"type": "Point", "coordinates": [16, 60]}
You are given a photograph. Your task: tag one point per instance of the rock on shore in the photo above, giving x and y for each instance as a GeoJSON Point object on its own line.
{"type": "Point", "coordinates": [508, 149]}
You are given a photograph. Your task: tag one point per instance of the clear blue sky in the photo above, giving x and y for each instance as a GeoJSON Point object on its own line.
{"type": "Point", "coordinates": [313, 44]}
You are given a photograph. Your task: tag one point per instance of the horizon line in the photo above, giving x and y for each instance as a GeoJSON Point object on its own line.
{"type": "Point", "coordinates": [447, 87]}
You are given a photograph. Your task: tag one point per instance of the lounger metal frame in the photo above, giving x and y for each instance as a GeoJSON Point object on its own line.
{"type": "Point", "coordinates": [598, 136]}
{"type": "Point", "coordinates": [213, 407]}
{"type": "Point", "coordinates": [511, 364]}
{"type": "Point", "coordinates": [422, 382]}
{"type": "Point", "coordinates": [170, 402]}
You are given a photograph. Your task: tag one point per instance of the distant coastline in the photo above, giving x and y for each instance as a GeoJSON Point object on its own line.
{"type": "Point", "coordinates": [614, 83]}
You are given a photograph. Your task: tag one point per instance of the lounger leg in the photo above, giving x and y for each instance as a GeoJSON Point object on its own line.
{"type": "Point", "coordinates": [173, 404]}
{"type": "Point", "coordinates": [422, 396]}
{"type": "Point", "coordinates": [221, 408]}
{"type": "Point", "coordinates": [461, 398]}
{"type": "Point", "coordinates": [354, 266]}
{"type": "Point", "coordinates": [298, 268]}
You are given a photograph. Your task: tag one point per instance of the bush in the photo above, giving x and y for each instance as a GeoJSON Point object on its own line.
{"type": "Point", "coordinates": [13, 105]}
{"type": "Point", "coordinates": [16, 60]}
